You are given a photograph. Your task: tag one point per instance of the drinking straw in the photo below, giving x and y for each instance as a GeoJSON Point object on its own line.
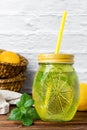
{"type": "Point", "coordinates": [59, 39]}
{"type": "Point", "coordinates": [48, 92]}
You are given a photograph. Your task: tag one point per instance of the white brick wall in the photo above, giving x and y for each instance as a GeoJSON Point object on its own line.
{"type": "Point", "coordinates": [30, 27]}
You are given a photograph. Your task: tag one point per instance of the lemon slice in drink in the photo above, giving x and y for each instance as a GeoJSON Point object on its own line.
{"type": "Point", "coordinates": [59, 95]}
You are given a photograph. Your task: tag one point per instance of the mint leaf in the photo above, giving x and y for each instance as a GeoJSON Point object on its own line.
{"type": "Point", "coordinates": [18, 104]}
{"type": "Point", "coordinates": [26, 120]}
{"type": "Point", "coordinates": [25, 97]}
{"type": "Point", "coordinates": [24, 111]}
{"type": "Point", "coordinates": [29, 103]}
{"type": "Point", "coordinates": [33, 114]}
{"type": "Point", "coordinates": [15, 114]}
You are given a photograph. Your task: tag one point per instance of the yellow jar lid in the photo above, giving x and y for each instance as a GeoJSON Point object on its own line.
{"type": "Point", "coordinates": [56, 58]}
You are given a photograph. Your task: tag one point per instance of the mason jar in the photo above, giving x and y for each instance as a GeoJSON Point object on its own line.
{"type": "Point", "coordinates": [56, 87]}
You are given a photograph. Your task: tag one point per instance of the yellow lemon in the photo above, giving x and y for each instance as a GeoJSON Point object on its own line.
{"type": "Point", "coordinates": [9, 57]}
{"type": "Point", "coordinates": [83, 97]}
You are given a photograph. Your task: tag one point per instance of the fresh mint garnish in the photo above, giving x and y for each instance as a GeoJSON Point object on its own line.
{"type": "Point", "coordinates": [15, 114]}
{"type": "Point", "coordinates": [24, 111]}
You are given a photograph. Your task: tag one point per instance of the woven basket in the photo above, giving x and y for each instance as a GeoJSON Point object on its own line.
{"type": "Point", "coordinates": [13, 84]}
{"type": "Point", "coordinates": [9, 70]}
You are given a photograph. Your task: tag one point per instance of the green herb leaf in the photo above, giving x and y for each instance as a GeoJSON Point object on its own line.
{"type": "Point", "coordinates": [33, 114]}
{"type": "Point", "coordinates": [25, 97]}
{"type": "Point", "coordinates": [18, 104]}
{"type": "Point", "coordinates": [24, 111]}
{"type": "Point", "coordinates": [26, 120]}
{"type": "Point", "coordinates": [15, 114]}
{"type": "Point", "coordinates": [29, 103]}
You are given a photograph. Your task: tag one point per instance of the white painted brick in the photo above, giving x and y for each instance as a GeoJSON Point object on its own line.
{"type": "Point", "coordinates": [17, 24]}
{"type": "Point", "coordinates": [71, 43]}
{"type": "Point", "coordinates": [40, 6]}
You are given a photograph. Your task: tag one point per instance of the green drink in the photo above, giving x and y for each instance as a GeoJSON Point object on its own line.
{"type": "Point", "coordinates": [56, 88]}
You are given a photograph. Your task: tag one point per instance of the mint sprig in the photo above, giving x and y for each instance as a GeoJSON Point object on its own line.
{"type": "Point", "coordinates": [24, 111]}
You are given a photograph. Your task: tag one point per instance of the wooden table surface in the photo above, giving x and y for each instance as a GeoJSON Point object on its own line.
{"type": "Point", "coordinates": [79, 122]}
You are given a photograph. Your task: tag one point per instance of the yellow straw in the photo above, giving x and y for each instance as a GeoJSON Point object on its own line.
{"type": "Point", "coordinates": [60, 32]}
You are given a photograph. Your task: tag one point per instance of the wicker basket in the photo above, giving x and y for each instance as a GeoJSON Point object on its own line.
{"type": "Point", "coordinates": [9, 70]}
{"type": "Point", "coordinates": [13, 84]}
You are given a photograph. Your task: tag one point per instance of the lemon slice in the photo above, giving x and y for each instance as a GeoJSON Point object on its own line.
{"type": "Point", "coordinates": [59, 95]}
{"type": "Point", "coordinates": [9, 57]}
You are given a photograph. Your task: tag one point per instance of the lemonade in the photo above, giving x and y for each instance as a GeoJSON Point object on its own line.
{"type": "Point", "coordinates": [56, 91]}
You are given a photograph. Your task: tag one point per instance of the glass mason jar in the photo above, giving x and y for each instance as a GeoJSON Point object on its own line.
{"type": "Point", "coordinates": [56, 87]}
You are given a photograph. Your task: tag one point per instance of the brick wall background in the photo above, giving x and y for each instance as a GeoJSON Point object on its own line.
{"type": "Point", "coordinates": [30, 27]}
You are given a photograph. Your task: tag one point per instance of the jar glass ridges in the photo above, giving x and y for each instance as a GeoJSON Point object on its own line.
{"type": "Point", "coordinates": [56, 88]}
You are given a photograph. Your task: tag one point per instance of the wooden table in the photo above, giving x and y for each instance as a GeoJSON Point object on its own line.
{"type": "Point", "coordinates": [79, 122]}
